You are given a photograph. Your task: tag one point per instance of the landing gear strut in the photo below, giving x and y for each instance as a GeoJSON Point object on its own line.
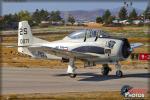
{"type": "Point", "coordinates": [71, 68]}
{"type": "Point", "coordinates": [118, 72]}
{"type": "Point", "coordinates": [105, 69]}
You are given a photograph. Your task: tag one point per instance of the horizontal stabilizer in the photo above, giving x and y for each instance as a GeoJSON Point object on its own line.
{"type": "Point", "coordinates": [136, 45]}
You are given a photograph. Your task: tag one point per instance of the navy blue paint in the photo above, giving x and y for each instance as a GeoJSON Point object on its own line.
{"type": "Point", "coordinates": [89, 49]}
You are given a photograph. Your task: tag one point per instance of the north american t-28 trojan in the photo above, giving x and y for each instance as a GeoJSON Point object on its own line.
{"type": "Point", "coordinates": [90, 46]}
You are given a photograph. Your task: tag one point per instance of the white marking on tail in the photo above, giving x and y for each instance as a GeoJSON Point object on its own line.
{"type": "Point", "coordinates": [24, 34]}
{"type": "Point", "coordinates": [26, 39]}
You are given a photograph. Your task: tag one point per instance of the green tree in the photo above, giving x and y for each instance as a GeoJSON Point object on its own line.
{"type": "Point", "coordinates": [1, 23]}
{"type": "Point", "coordinates": [71, 19]}
{"type": "Point", "coordinates": [133, 14]}
{"type": "Point", "coordinates": [123, 13]}
{"type": "Point", "coordinates": [44, 15]}
{"type": "Point", "coordinates": [15, 17]}
{"type": "Point", "coordinates": [110, 19]}
{"type": "Point", "coordinates": [106, 15]}
{"type": "Point", "coordinates": [40, 15]}
{"type": "Point", "coordinates": [24, 15]}
{"type": "Point", "coordinates": [36, 16]}
{"type": "Point", "coordinates": [11, 18]}
{"type": "Point", "coordinates": [7, 19]}
{"type": "Point", "coordinates": [99, 19]}
{"type": "Point", "coordinates": [55, 16]}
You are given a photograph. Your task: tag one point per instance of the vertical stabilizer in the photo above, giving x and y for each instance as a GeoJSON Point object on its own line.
{"type": "Point", "coordinates": [25, 37]}
{"type": "Point", "coordinates": [24, 34]}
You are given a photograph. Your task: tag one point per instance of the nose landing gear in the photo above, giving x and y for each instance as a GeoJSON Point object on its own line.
{"type": "Point", "coordinates": [106, 69]}
{"type": "Point", "coordinates": [119, 73]}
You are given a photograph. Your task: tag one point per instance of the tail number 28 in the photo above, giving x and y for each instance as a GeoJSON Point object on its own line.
{"type": "Point", "coordinates": [23, 31]}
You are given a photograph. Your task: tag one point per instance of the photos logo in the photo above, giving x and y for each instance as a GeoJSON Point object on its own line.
{"type": "Point", "coordinates": [130, 92]}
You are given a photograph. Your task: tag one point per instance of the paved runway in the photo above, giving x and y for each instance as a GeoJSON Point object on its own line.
{"type": "Point", "coordinates": [44, 80]}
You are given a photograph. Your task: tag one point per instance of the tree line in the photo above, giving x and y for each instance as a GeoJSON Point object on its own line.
{"type": "Point", "coordinates": [34, 18]}
{"type": "Point", "coordinates": [107, 18]}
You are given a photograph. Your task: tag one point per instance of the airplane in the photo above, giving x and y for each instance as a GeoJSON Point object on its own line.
{"type": "Point", "coordinates": [91, 46]}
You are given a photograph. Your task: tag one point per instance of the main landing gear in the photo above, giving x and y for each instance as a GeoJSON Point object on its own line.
{"type": "Point", "coordinates": [106, 69]}
{"type": "Point", "coordinates": [71, 68]}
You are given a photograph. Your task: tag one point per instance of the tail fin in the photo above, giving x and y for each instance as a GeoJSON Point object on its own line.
{"type": "Point", "coordinates": [24, 34]}
{"type": "Point", "coordinates": [25, 38]}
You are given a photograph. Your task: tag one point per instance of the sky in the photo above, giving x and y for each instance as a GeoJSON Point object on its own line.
{"type": "Point", "coordinates": [14, 7]}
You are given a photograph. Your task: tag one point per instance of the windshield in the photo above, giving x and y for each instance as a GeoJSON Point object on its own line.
{"type": "Point", "coordinates": [88, 34]}
{"type": "Point", "coordinates": [77, 35]}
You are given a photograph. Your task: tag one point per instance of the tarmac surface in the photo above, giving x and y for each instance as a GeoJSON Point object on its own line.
{"type": "Point", "coordinates": [45, 80]}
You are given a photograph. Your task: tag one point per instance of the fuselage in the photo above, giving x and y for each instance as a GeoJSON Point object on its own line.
{"type": "Point", "coordinates": [108, 50]}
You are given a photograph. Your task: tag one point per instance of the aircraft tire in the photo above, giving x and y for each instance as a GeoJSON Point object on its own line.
{"type": "Point", "coordinates": [72, 75]}
{"type": "Point", "coordinates": [119, 73]}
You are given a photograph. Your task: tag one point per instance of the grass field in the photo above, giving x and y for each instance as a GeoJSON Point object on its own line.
{"type": "Point", "coordinates": [114, 95]}
{"type": "Point", "coordinates": [67, 96]}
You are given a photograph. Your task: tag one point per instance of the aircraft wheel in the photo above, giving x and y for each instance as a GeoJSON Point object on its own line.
{"type": "Point", "coordinates": [105, 70]}
{"type": "Point", "coordinates": [72, 75]}
{"type": "Point", "coordinates": [119, 73]}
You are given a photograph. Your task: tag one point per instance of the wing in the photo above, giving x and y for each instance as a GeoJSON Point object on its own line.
{"type": "Point", "coordinates": [64, 53]}
{"type": "Point", "coordinates": [135, 45]}
{"type": "Point", "coordinates": [58, 52]}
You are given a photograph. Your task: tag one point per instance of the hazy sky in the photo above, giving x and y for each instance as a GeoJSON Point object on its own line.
{"type": "Point", "coordinates": [13, 7]}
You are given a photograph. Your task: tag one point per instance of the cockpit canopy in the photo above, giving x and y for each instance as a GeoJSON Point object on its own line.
{"type": "Point", "coordinates": [88, 34]}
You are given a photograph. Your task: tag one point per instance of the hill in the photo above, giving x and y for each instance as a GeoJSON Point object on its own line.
{"type": "Point", "coordinates": [92, 14]}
